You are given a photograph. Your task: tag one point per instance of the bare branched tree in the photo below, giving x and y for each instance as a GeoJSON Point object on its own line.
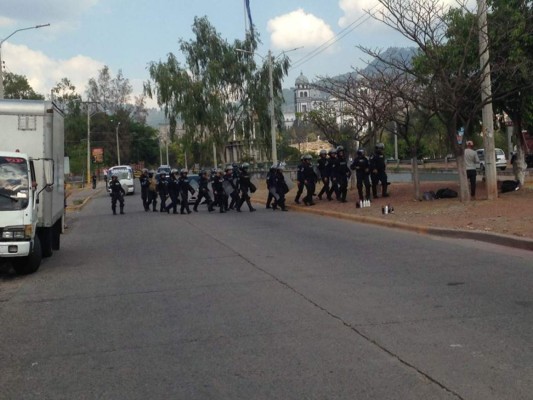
{"type": "Point", "coordinates": [446, 65]}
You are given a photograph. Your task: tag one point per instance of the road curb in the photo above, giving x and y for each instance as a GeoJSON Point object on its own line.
{"type": "Point", "coordinates": [79, 207]}
{"type": "Point", "coordinates": [489, 237]}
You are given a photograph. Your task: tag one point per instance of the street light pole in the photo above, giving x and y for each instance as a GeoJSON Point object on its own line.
{"type": "Point", "coordinates": [118, 146]}
{"type": "Point", "coordinates": [89, 139]}
{"type": "Point", "coordinates": [1, 43]}
{"type": "Point", "coordinates": [271, 110]}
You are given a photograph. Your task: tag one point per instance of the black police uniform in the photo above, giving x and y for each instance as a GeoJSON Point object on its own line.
{"type": "Point", "coordinates": [281, 189]}
{"type": "Point", "coordinates": [377, 173]}
{"type": "Point", "coordinates": [162, 189]}
{"type": "Point", "coordinates": [361, 166]}
{"type": "Point", "coordinates": [300, 184]}
{"type": "Point", "coordinates": [203, 193]}
{"type": "Point", "coordinates": [173, 193]}
{"type": "Point", "coordinates": [245, 185]}
{"type": "Point", "coordinates": [117, 193]}
{"type": "Point", "coordinates": [234, 195]}
{"type": "Point", "coordinates": [219, 193]}
{"type": "Point", "coordinates": [270, 185]}
{"type": "Point", "coordinates": [343, 174]}
{"type": "Point", "coordinates": [184, 189]}
{"type": "Point", "coordinates": [309, 179]}
{"type": "Point", "coordinates": [322, 165]}
{"type": "Point", "coordinates": [333, 167]}
{"type": "Point", "coordinates": [145, 184]}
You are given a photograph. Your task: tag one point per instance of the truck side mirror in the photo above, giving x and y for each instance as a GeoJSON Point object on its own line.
{"type": "Point", "coordinates": [48, 168]}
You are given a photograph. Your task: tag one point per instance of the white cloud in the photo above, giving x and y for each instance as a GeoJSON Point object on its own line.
{"type": "Point", "coordinates": [43, 73]}
{"type": "Point", "coordinates": [355, 10]}
{"type": "Point", "coordinates": [298, 29]}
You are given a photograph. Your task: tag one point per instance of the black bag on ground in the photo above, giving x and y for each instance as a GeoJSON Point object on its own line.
{"type": "Point", "coordinates": [445, 193]}
{"type": "Point", "coordinates": [510, 186]}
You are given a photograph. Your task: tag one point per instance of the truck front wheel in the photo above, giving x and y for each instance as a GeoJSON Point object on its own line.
{"type": "Point", "coordinates": [46, 237]}
{"type": "Point", "coordinates": [30, 264]}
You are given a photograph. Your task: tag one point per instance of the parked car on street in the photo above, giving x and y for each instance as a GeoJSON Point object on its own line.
{"type": "Point", "coordinates": [501, 160]}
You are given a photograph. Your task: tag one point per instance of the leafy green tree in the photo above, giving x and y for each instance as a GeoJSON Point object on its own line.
{"type": "Point", "coordinates": [18, 87]}
{"type": "Point", "coordinates": [511, 38]}
{"type": "Point", "coordinates": [112, 94]}
{"type": "Point", "coordinates": [446, 65]}
{"type": "Point", "coordinates": [218, 93]}
{"type": "Point", "coordinates": [66, 96]}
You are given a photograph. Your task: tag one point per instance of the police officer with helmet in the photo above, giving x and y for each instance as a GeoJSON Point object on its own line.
{"type": "Point", "coordinates": [245, 186]}
{"type": "Point", "coordinates": [322, 166]}
{"type": "Point", "coordinates": [117, 194]}
{"type": "Point", "coordinates": [343, 174]}
{"type": "Point", "coordinates": [361, 166]}
{"type": "Point", "coordinates": [377, 170]}
{"type": "Point", "coordinates": [309, 179]}
{"type": "Point", "coordinates": [203, 192]}
{"type": "Point", "coordinates": [333, 166]}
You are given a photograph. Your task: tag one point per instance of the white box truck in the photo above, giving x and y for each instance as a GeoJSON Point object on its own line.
{"type": "Point", "coordinates": [32, 190]}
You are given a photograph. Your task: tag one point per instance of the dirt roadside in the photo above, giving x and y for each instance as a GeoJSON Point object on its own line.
{"type": "Point", "coordinates": [509, 216]}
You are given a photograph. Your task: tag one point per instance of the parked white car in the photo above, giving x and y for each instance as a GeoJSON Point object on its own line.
{"type": "Point", "coordinates": [501, 160]}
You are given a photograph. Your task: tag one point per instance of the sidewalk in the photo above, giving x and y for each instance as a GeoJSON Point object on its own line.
{"type": "Point", "coordinates": [77, 198]}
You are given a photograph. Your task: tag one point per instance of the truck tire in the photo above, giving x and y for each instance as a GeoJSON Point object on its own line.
{"type": "Point", "coordinates": [30, 264]}
{"type": "Point", "coordinates": [45, 235]}
{"type": "Point", "coordinates": [56, 234]}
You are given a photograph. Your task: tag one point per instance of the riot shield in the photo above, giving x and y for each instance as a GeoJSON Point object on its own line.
{"type": "Point", "coordinates": [288, 180]}
{"type": "Point", "coordinates": [228, 188]}
{"type": "Point", "coordinates": [274, 193]}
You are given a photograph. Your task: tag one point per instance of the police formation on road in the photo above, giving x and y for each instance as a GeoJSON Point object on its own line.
{"type": "Point", "coordinates": [333, 171]}
{"type": "Point", "coordinates": [227, 189]}
{"type": "Point", "coordinates": [230, 189]}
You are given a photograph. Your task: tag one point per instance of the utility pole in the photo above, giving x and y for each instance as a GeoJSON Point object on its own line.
{"type": "Point", "coordinates": [272, 112]}
{"type": "Point", "coordinates": [491, 177]}
{"type": "Point", "coordinates": [118, 146]}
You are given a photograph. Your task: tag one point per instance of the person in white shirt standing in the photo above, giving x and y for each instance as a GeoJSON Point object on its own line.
{"type": "Point", "coordinates": [471, 163]}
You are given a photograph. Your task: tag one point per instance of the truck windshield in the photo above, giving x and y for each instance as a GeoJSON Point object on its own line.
{"type": "Point", "coordinates": [14, 184]}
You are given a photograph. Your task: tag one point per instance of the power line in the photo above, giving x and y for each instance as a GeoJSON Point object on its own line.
{"type": "Point", "coordinates": [330, 42]}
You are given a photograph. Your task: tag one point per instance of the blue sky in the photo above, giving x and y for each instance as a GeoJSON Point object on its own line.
{"type": "Point", "coordinates": [85, 35]}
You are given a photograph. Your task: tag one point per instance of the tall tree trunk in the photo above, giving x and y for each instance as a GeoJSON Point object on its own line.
{"type": "Point", "coordinates": [416, 176]}
{"type": "Point", "coordinates": [464, 188]}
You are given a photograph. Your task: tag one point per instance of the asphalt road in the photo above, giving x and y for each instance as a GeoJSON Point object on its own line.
{"type": "Point", "coordinates": [264, 305]}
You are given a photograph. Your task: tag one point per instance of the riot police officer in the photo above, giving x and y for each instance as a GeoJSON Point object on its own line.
{"type": "Point", "coordinates": [333, 166]}
{"type": "Point", "coordinates": [218, 190]}
{"type": "Point", "coordinates": [203, 192]}
{"type": "Point", "coordinates": [245, 186]}
{"type": "Point", "coordinates": [309, 179]}
{"type": "Point", "coordinates": [281, 189]}
{"type": "Point", "coordinates": [173, 192]}
{"type": "Point", "coordinates": [184, 187]}
{"type": "Point", "coordinates": [162, 190]}
{"type": "Point", "coordinates": [117, 193]}
{"type": "Point", "coordinates": [361, 166]}
{"type": "Point", "coordinates": [144, 181]}
{"type": "Point", "coordinates": [299, 180]}
{"type": "Point", "coordinates": [231, 188]}
{"type": "Point", "coordinates": [322, 166]}
{"type": "Point", "coordinates": [270, 186]}
{"type": "Point", "coordinates": [342, 173]}
{"type": "Point", "coordinates": [377, 171]}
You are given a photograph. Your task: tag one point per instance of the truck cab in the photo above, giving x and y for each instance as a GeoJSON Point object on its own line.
{"type": "Point", "coordinates": [18, 211]}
